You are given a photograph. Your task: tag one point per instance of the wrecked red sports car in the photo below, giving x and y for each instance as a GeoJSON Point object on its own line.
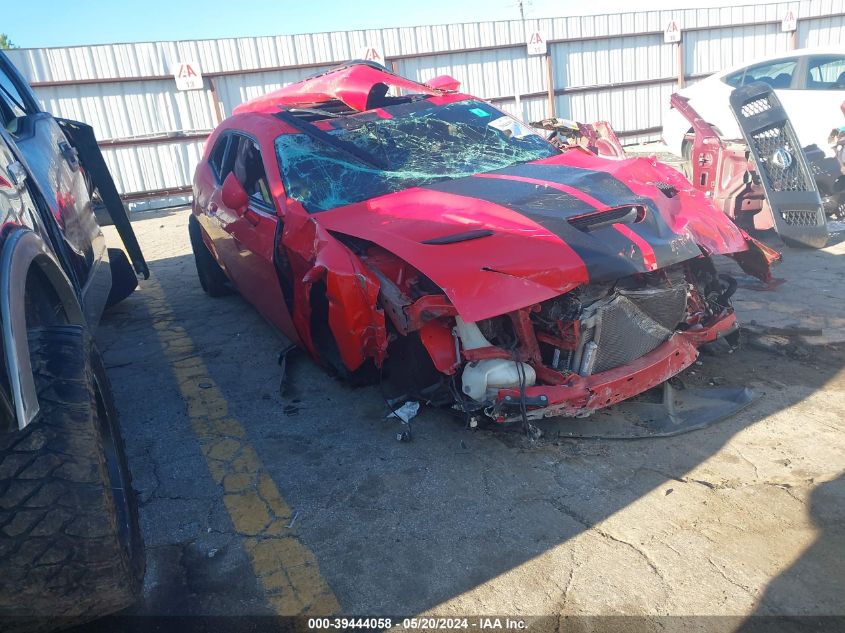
{"type": "Point", "coordinates": [397, 229]}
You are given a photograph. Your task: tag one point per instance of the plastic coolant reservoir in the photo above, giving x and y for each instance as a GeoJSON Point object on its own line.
{"type": "Point", "coordinates": [482, 379]}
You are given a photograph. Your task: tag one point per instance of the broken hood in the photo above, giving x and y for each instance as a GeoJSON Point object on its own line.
{"type": "Point", "coordinates": [499, 241]}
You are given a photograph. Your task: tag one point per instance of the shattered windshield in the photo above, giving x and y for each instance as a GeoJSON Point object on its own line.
{"type": "Point", "coordinates": [419, 143]}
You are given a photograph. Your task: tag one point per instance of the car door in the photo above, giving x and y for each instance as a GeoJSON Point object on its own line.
{"type": "Point", "coordinates": [54, 164]}
{"type": "Point", "coordinates": [250, 258]}
{"type": "Point", "coordinates": [814, 107]}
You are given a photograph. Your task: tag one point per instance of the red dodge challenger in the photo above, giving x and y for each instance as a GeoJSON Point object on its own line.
{"type": "Point", "coordinates": [410, 232]}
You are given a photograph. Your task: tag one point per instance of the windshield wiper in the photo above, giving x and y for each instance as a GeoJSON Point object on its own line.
{"type": "Point", "coordinates": [347, 148]}
{"type": "Point", "coordinates": [325, 113]}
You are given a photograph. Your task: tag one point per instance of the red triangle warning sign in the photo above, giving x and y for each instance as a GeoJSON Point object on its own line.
{"type": "Point", "coordinates": [186, 70]}
{"type": "Point", "coordinates": [672, 32]}
{"type": "Point", "coordinates": [536, 43]}
{"type": "Point", "coordinates": [790, 21]}
{"type": "Point", "coordinates": [187, 75]}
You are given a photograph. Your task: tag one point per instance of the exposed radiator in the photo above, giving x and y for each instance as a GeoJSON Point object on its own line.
{"type": "Point", "coordinates": [627, 325]}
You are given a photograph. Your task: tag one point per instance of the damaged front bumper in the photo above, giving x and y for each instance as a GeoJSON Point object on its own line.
{"type": "Point", "coordinates": [581, 395]}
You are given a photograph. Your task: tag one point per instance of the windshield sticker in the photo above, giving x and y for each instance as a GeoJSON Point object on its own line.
{"type": "Point", "coordinates": [479, 112]}
{"type": "Point", "coordinates": [511, 127]}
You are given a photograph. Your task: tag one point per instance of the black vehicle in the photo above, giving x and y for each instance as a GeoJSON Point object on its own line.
{"type": "Point", "coordinates": [70, 545]}
{"type": "Point", "coordinates": [830, 180]}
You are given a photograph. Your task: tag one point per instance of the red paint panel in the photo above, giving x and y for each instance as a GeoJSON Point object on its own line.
{"type": "Point", "coordinates": [358, 326]}
{"type": "Point", "coordinates": [352, 291]}
{"type": "Point", "coordinates": [522, 263]}
{"type": "Point", "coordinates": [689, 212]}
{"type": "Point", "coordinates": [601, 390]}
{"type": "Point", "coordinates": [352, 85]}
{"type": "Point", "coordinates": [723, 326]}
{"type": "Point", "coordinates": [437, 338]}
{"type": "Point", "coordinates": [449, 97]}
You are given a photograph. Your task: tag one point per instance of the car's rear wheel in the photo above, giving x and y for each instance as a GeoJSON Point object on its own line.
{"type": "Point", "coordinates": [212, 278]}
{"type": "Point", "coordinates": [70, 543]}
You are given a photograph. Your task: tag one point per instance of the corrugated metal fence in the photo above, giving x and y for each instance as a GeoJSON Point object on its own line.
{"type": "Point", "coordinates": [612, 67]}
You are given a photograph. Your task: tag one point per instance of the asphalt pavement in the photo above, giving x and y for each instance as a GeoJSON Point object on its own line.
{"type": "Point", "coordinates": [261, 500]}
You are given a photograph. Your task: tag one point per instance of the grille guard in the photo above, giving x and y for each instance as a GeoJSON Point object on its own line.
{"type": "Point", "coordinates": [786, 177]}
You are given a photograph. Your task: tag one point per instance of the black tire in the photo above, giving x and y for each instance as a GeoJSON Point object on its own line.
{"type": "Point", "coordinates": [212, 278]}
{"type": "Point", "coordinates": [123, 277]}
{"type": "Point", "coordinates": [70, 543]}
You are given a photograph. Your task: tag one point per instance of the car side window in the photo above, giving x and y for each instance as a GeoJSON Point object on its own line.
{"type": "Point", "coordinates": [735, 79]}
{"type": "Point", "coordinates": [777, 74]}
{"type": "Point", "coordinates": [826, 73]}
{"type": "Point", "coordinates": [12, 103]}
{"type": "Point", "coordinates": [217, 155]}
{"type": "Point", "coordinates": [249, 170]}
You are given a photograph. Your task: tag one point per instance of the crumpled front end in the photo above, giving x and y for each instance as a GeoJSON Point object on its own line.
{"type": "Point", "coordinates": [552, 288]}
{"type": "Point", "coordinates": [593, 347]}
{"type": "Point", "coordinates": [583, 350]}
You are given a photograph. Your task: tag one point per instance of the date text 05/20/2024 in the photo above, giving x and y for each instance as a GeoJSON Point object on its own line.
{"type": "Point", "coordinates": [479, 623]}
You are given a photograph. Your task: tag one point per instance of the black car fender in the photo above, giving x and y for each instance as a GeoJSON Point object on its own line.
{"type": "Point", "coordinates": [21, 250]}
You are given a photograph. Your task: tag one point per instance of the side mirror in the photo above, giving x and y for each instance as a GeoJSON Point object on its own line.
{"type": "Point", "coordinates": [235, 196]}
{"type": "Point", "coordinates": [444, 82]}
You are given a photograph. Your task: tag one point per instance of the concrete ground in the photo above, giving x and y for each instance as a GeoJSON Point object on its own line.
{"type": "Point", "coordinates": [260, 502]}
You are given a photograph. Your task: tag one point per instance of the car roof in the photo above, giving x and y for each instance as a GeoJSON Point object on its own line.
{"type": "Point", "coordinates": [798, 52]}
{"type": "Point", "coordinates": [351, 84]}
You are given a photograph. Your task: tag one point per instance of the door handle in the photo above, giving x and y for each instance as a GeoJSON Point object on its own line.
{"type": "Point", "coordinates": [70, 154]}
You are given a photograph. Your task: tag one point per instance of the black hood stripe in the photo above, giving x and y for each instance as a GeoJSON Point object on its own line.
{"type": "Point", "coordinates": [549, 208]}
{"type": "Point", "coordinates": [598, 184]}
{"type": "Point", "coordinates": [607, 253]}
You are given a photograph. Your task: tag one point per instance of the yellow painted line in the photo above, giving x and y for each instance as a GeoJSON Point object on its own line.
{"type": "Point", "coordinates": [285, 567]}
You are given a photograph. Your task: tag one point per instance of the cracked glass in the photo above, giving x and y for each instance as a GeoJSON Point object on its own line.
{"type": "Point", "coordinates": [415, 145]}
